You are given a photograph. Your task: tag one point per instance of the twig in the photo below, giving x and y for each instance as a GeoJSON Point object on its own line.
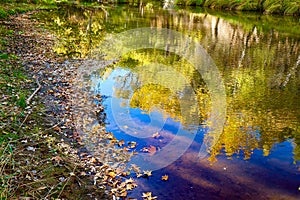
{"type": "Point", "coordinates": [55, 125]}
{"type": "Point", "coordinates": [36, 90]}
{"type": "Point", "coordinates": [67, 181]}
{"type": "Point", "coordinates": [24, 121]}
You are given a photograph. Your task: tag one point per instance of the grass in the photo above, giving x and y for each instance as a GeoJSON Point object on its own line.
{"type": "Point", "coordinates": [12, 7]}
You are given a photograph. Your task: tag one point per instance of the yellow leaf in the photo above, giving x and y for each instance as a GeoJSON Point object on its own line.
{"type": "Point", "coordinates": [148, 173]}
{"type": "Point", "coordinates": [112, 174]}
{"type": "Point", "coordinates": [130, 180]}
{"type": "Point", "coordinates": [165, 177]}
{"type": "Point", "coordinates": [148, 196]}
{"type": "Point", "coordinates": [132, 144]}
{"type": "Point", "coordinates": [123, 194]}
{"type": "Point", "coordinates": [156, 135]}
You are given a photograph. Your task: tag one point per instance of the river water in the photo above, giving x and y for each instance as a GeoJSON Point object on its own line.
{"type": "Point", "coordinates": [154, 97]}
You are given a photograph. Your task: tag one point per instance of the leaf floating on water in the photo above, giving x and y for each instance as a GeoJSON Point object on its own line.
{"type": "Point", "coordinates": [152, 150]}
{"type": "Point", "coordinates": [110, 136]}
{"type": "Point", "coordinates": [135, 168]}
{"type": "Point", "coordinates": [148, 196]}
{"type": "Point", "coordinates": [125, 149]}
{"type": "Point", "coordinates": [125, 127]}
{"type": "Point", "coordinates": [144, 149]}
{"type": "Point", "coordinates": [138, 175]}
{"type": "Point", "coordinates": [121, 143]}
{"type": "Point", "coordinates": [148, 173]}
{"type": "Point", "coordinates": [165, 178]}
{"type": "Point", "coordinates": [134, 153]}
{"type": "Point", "coordinates": [130, 180]}
{"type": "Point", "coordinates": [131, 144]}
{"type": "Point", "coordinates": [113, 141]}
{"type": "Point", "coordinates": [131, 186]}
{"type": "Point", "coordinates": [156, 135]}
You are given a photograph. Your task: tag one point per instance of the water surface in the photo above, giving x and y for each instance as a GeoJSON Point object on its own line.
{"type": "Point", "coordinates": [257, 155]}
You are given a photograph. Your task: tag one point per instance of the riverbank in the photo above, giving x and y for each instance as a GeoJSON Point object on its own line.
{"type": "Point", "coordinates": [288, 7]}
{"type": "Point", "coordinates": [267, 7]}
{"type": "Point", "coordinates": [39, 156]}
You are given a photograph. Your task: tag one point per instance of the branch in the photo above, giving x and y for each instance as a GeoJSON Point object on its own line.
{"type": "Point", "coordinates": [32, 95]}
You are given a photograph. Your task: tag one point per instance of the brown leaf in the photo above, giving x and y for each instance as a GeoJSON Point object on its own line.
{"type": "Point", "coordinates": [57, 159]}
{"type": "Point", "coordinates": [121, 143]}
{"type": "Point", "coordinates": [152, 150]}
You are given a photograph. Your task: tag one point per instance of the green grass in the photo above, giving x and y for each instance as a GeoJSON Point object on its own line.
{"type": "Point", "coordinates": [12, 7]}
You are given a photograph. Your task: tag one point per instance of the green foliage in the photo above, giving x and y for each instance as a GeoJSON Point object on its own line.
{"type": "Point", "coordinates": [273, 6]}
{"type": "Point", "coordinates": [3, 13]}
{"type": "Point", "coordinates": [4, 56]}
{"type": "Point", "coordinates": [292, 7]}
{"type": "Point", "coordinates": [189, 2]}
{"type": "Point", "coordinates": [286, 7]}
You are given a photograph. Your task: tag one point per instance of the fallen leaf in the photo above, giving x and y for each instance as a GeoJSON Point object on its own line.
{"type": "Point", "coordinates": [135, 168]}
{"type": "Point", "coordinates": [130, 180]}
{"type": "Point", "coordinates": [112, 174]}
{"type": "Point", "coordinates": [156, 135]}
{"type": "Point", "coordinates": [56, 159]}
{"type": "Point", "coordinates": [131, 144]}
{"type": "Point", "coordinates": [123, 194]}
{"type": "Point", "coordinates": [148, 196]}
{"type": "Point", "coordinates": [145, 149]}
{"type": "Point", "coordinates": [30, 148]}
{"type": "Point", "coordinates": [165, 177]}
{"type": "Point", "coordinates": [121, 143]}
{"type": "Point", "coordinates": [130, 186]}
{"type": "Point", "coordinates": [152, 150]}
{"type": "Point", "coordinates": [93, 160]}
{"type": "Point", "coordinates": [148, 173]}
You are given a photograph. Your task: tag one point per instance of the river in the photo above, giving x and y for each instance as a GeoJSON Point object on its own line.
{"type": "Point", "coordinates": [158, 100]}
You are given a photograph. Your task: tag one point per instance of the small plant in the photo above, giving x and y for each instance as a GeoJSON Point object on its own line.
{"type": "Point", "coordinates": [3, 14]}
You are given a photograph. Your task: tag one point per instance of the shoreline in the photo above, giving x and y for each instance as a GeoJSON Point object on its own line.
{"type": "Point", "coordinates": [47, 142]}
